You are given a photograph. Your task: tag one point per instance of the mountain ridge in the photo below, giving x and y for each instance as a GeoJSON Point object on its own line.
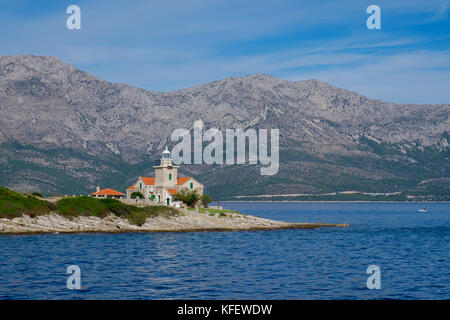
{"type": "Point", "coordinates": [46, 104]}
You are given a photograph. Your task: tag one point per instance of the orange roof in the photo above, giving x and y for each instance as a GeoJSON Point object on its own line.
{"type": "Point", "coordinates": [150, 181]}
{"type": "Point", "coordinates": [182, 180]}
{"type": "Point", "coordinates": [107, 192]}
{"type": "Point", "coordinates": [172, 191]}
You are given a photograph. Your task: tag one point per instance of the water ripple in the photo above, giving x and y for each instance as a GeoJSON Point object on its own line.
{"type": "Point", "coordinates": [411, 249]}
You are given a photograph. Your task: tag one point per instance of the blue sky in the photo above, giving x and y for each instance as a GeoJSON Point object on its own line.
{"type": "Point", "coordinates": [167, 45]}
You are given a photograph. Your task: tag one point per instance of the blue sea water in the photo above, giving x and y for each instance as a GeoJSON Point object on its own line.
{"type": "Point", "coordinates": [411, 249]}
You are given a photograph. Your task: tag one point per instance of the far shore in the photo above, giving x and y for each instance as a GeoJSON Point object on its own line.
{"type": "Point", "coordinates": [336, 201]}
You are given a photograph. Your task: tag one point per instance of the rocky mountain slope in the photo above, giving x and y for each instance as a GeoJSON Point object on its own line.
{"type": "Point", "coordinates": [63, 130]}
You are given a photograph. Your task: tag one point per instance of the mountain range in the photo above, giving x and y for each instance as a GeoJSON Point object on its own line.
{"type": "Point", "coordinates": [64, 131]}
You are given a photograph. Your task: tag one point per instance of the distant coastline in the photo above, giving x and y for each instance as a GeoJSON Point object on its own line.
{"type": "Point", "coordinates": [340, 201]}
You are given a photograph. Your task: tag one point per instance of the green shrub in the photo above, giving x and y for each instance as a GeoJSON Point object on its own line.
{"type": "Point", "coordinates": [137, 215]}
{"type": "Point", "coordinates": [205, 200]}
{"type": "Point", "coordinates": [117, 207]}
{"type": "Point", "coordinates": [14, 204]}
{"type": "Point", "coordinates": [190, 197]}
{"type": "Point", "coordinates": [84, 206]}
{"type": "Point", "coordinates": [38, 194]}
{"type": "Point", "coordinates": [137, 194]}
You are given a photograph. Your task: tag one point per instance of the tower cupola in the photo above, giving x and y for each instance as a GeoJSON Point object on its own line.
{"type": "Point", "coordinates": [166, 154]}
{"type": "Point", "coordinates": [166, 174]}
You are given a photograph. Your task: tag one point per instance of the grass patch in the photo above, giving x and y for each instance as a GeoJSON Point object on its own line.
{"type": "Point", "coordinates": [218, 211]}
{"type": "Point", "coordinates": [81, 206]}
{"type": "Point", "coordinates": [14, 204]}
{"type": "Point", "coordinates": [221, 210]}
{"type": "Point", "coordinates": [138, 215]}
{"type": "Point", "coordinates": [88, 206]}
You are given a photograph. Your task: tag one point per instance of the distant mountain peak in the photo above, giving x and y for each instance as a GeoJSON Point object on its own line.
{"type": "Point", "coordinates": [23, 66]}
{"type": "Point", "coordinates": [58, 121]}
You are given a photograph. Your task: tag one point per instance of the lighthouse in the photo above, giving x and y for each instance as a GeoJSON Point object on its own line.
{"type": "Point", "coordinates": [166, 174]}
{"type": "Point", "coordinates": [165, 184]}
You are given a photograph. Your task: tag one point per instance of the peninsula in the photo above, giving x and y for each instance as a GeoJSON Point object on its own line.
{"type": "Point", "coordinates": [27, 214]}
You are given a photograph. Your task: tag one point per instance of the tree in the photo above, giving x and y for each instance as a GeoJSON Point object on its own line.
{"type": "Point", "coordinates": [137, 194]}
{"type": "Point", "coordinates": [190, 198]}
{"type": "Point", "coordinates": [205, 200]}
{"type": "Point", "coordinates": [38, 194]}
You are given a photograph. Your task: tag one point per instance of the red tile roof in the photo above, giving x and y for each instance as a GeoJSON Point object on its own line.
{"type": "Point", "coordinates": [182, 180]}
{"type": "Point", "coordinates": [107, 192]}
{"type": "Point", "coordinates": [150, 181]}
{"type": "Point", "coordinates": [172, 191]}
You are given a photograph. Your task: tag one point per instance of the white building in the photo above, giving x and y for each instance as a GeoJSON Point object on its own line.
{"type": "Point", "coordinates": [165, 184]}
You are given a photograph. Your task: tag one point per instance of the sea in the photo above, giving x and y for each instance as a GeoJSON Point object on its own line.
{"type": "Point", "coordinates": [406, 253]}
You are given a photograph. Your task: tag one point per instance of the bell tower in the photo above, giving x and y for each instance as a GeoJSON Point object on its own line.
{"type": "Point", "coordinates": [166, 174]}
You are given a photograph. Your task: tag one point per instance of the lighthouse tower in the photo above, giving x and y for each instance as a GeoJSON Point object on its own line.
{"type": "Point", "coordinates": [166, 174]}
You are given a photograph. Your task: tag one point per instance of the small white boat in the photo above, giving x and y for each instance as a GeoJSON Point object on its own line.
{"type": "Point", "coordinates": [423, 210]}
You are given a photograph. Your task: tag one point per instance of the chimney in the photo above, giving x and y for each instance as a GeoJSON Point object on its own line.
{"type": "Point", "coordinates": [98, 189]}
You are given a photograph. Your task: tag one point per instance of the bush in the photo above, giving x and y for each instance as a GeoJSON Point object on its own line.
{"type": "Point", "coordinates": [137, 194]}
{"type": "Point", "coordinates": [14, 204]}
{"type": "Point", "coordinates": [205, 200]}
{"type": "Point", "coordinates": [189, 197]}
{"type": "Point", "coordinates": [38, 194]}
{"type": "Point", "coordinates": [137, 215]}
{"type": "Point", "coordinates": [86, 206]}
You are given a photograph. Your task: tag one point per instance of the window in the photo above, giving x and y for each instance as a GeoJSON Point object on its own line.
{"type": "Point", "coordinates": [192, 185]}
{"type": "Point", "coordinates": [159, 198]}
{"type": "Point", "coordinates": [153, 197]}
{"type": "Point", "coordinates": [140, 185]}
{"type": "Point", "coordinates": [170, 176]}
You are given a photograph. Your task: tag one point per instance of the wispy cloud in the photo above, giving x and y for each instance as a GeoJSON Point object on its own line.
{"type": "Point", "coordinates": [165, 45]}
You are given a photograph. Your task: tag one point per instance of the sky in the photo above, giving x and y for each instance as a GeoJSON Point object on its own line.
{"type": "Point", "coordinates": [167, 45]}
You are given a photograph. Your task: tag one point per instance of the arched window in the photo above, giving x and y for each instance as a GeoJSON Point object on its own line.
{"type": "Point", "coordinates": [170, 176]}
{"type": "Point", "coordinates": [192, 185]}
{"type": "Point", "coordinates": [140, 185]}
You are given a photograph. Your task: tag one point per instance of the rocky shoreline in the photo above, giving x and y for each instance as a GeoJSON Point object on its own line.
{"type": "Point", "coordinates": [187, 221]}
